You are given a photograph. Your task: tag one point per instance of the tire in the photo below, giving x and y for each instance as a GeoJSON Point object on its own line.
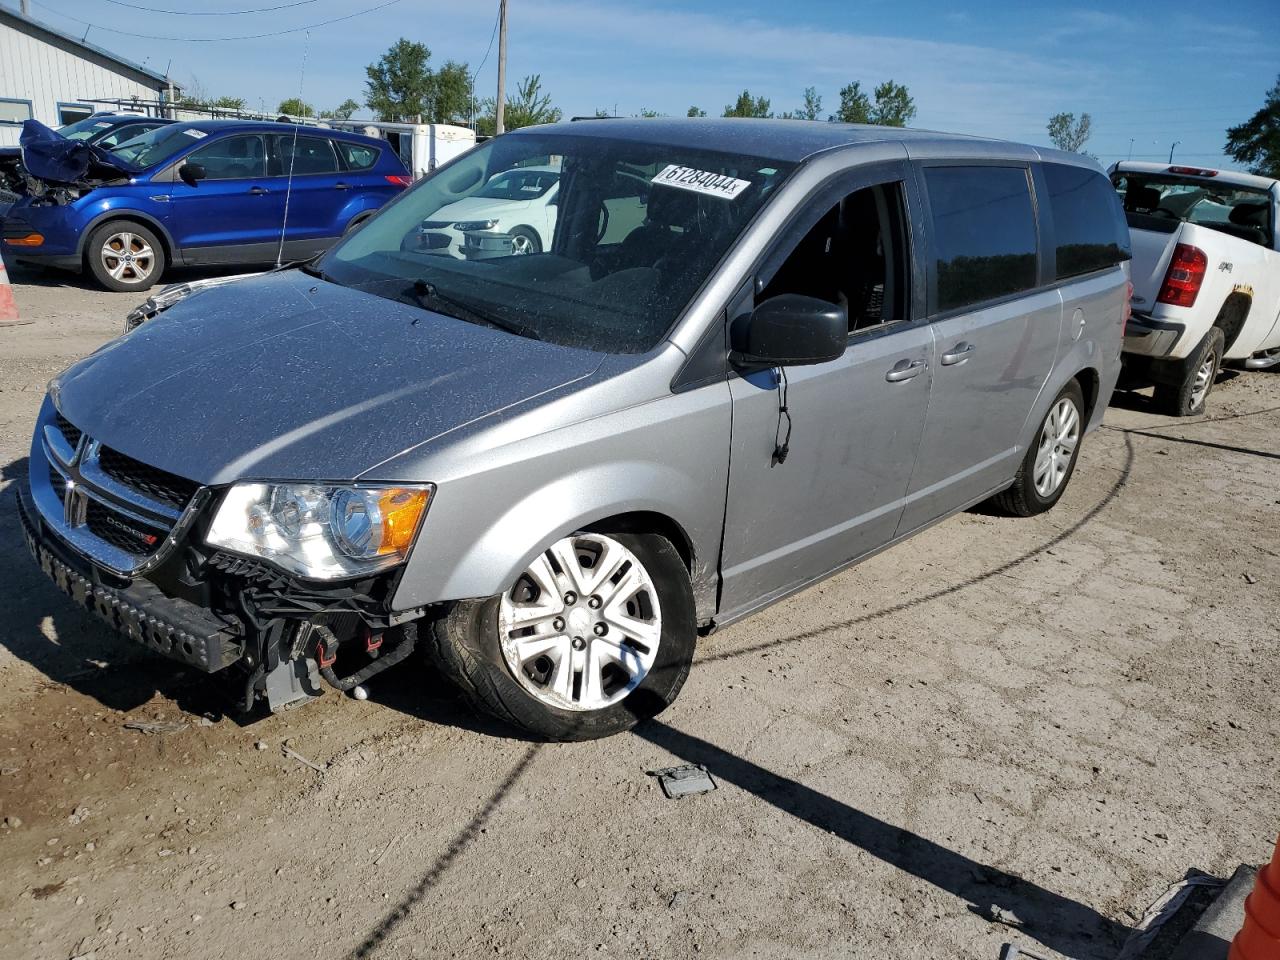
{"type": "Point", "coordinates": [467, 642]}
{"type": "Point", "coordinates": [1027, 496]}
{"type": "Point", "coordinates": [524, 240]}
{"type": "Point", "coordinates": [356, 221]}
{"type": "Point", "coordinates": [1187, 398]}
{"type": "Point", "coordinates": [109, 247]}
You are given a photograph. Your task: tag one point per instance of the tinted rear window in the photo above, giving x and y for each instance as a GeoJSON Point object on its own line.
{"type": "Point", "coordinates": [984, 233]}
{"type": "Point", "coordinates": [358, 156]}
{"type": "Point", "coordinates": [1088, 222]}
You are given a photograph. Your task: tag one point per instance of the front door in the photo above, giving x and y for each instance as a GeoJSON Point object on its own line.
{"type": "Point", "coordinates": [997, 335]}
{"type": "Point", "coordinates": [851, 428]}
{"type": "Point", "coordinates": [233, 215]}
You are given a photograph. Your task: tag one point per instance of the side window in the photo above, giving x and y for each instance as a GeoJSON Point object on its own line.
{"type": "Point", "coordinates": [1090, 232]}
{"type": "Point", "coordinates": [232, 158]}
{"type": "Point", "coordinates": [854, 256]}
{"type": "Point", "coordinates": [303, 155]}
{"type": "Point", "coordinates": [14, 111]}
{"type": "Point", "coordinates": [71, 112]}
{"type": "Point", "coordinates": [984, 233]}
{"type": "Point", "coordinates": [357, 156]}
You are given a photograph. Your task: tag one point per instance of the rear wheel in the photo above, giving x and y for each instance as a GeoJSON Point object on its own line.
{"type": "Point", "coordinates": [124, 255]}
{"type": "Point", "coordinates": [1187, 397]}
{"type": "Point", "coordinates": [597, 634]}
{"type": "Point", "coordinates": [1050, 459]}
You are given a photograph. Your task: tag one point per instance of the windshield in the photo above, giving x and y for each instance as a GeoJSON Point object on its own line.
{"type": "Point", "coordinates": [1161, 201]}
{"type": "Point", "coordinates": [84, 129]}
{"type": "Point", "coordinates": [607, 264]}
{"type": "Point", "coordinates": [157, 145]}
{"type": "Point", "coordinates": [519, 184]}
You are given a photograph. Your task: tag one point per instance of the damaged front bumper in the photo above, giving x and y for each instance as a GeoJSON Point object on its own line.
{"type": "Point", "coordinates": [138, 610]}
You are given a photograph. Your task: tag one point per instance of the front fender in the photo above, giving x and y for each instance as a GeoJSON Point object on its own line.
{"type": "Point", "coordinates": [117, 208]}
{"type": "Point", "coordinates": [505, 495]}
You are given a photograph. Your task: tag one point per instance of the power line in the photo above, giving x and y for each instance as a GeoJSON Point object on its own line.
{"type": "Point", "coordinates": [253, 36]}
{"type": "Point", "coordinates": [211, 13]}
{"type": "Point", "coordinates": [488, 49]}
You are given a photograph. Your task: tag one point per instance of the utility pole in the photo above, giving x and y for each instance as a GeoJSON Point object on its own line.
{"type": "Point", "coordinates": [502, 65]}
{"type": "Point", "coordinates": [1175, 143]}
{"type": "Point", "coordinates": [1130, 157]}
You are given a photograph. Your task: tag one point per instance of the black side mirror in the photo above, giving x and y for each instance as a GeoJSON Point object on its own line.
{"type": "Point", "coordinates": [790, 330]}
{"type": "Point", "coordinates": [191, 173]}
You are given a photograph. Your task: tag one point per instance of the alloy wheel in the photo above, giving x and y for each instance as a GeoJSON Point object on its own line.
{"type": "Point", "coordinates": [1203, 380]}
{"type": "Point", "coordinates": [1058, 439]}
{"type": "Point", "coordinates": [128, 257]}
{"type": "Point", "coordinates": [581, 626]}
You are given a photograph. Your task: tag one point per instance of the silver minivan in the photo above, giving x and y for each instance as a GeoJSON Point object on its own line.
{"type": "Point", "coordinates": [749, 354]}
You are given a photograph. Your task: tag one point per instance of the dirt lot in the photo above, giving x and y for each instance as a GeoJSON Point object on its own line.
{"type": "Point", "coordinates": [1003, 730]}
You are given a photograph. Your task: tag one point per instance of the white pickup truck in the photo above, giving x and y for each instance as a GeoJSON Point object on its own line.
{"type": "Point", "coordinates": [1206, 277]}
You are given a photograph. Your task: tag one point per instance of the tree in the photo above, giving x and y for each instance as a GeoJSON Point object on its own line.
{"type": "Point", "coordinates": [894, 106]}
{"type": "Point", "coordinates": [229, 103]}
{"type": "Point", "coordinates": [402, 86]}
{"type": "Point", "coordinates": [696, 112]}
{"type": "Point", "coordinates": [648, 114]}
{"type": "Point", "coordinates": [295, 107]}
{"type": "Point", "coordinates": [812, 108]}
{"type": "Point", "coordinates": [748, 106]}
{"type": "Point", "coordinates": [1068, 133]}
{"type": "Point", "coordinates": [342, 111]}
{"type": "Point", "coordinates": [855, 106]}
{"type": "Point", "coordinates": [399, 84]}
{"type": "Point", "coordinates": [529, 106]}
{"type": "Point", "coordinates": [1256, 142]}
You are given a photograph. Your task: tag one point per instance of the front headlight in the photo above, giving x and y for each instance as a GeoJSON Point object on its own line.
{"type": "Point", "coordinates": [470, 226]}
{"type": "Point", "coordinates": [321, 531]}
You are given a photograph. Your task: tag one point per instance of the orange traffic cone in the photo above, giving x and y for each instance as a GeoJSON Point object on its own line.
{"type": "Point", "coordinates": [1259, 938]}
{"type": "Point", "coordinates": [8, 305]}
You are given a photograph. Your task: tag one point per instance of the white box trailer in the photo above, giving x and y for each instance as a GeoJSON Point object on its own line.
{"type": "Point", "coordinates": [422, 146]}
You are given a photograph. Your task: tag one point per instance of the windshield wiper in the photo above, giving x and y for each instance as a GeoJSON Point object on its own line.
{"type": "Point", "coordinates": [427, 292]}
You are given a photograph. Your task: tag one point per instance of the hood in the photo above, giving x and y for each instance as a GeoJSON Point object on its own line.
{"type": "Point", "coordinates": [478, 208]}
{"type": "Point", "coordinates": [284, 376]}
{"type": "Point", "coordinates": [50, 156]}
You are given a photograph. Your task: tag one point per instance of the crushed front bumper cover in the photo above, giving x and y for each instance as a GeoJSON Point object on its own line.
{"type": "Point", "coordinates": [139, 611]}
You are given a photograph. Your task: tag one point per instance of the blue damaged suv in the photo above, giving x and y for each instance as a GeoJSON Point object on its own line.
{"type": "Point", "coordinates": [204, 193]}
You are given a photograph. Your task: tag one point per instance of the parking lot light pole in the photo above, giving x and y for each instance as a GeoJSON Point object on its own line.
{"type": "Point", "coordinates": [502, 66]}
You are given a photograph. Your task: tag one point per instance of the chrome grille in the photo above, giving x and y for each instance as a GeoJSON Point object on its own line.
{"type": "Point", "coordinates": [70, 432]}
{"type": "Point", "coordinates": [158, 484]}
{"type": "Point", "coordinates": [121, 513]}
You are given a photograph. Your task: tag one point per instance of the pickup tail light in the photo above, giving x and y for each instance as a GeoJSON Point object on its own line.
{"type": "Point", "coordinates": [1127, 313]}
{"type": "Point", "coordinates": [1184, 277]}
{"type": "Point", "coordinates": [399, 179]}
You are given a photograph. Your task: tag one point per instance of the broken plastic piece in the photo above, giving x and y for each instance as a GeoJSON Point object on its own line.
{"type": "Point", "coordinates": [680, 782]}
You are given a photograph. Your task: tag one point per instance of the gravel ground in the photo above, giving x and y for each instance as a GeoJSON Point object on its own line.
{"type": "Point", "coordinates": [1001, 731]}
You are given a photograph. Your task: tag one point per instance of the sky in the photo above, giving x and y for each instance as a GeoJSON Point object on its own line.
{"type": "Point", "coordinates": [1149, 74]}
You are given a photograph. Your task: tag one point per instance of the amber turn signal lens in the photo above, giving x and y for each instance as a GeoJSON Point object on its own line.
{"type": "Point", "coordinates": [401, 512]}
{"type": "Point", "coordinates": [30, 240]}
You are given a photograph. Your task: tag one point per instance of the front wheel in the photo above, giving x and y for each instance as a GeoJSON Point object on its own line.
{"type": "Point", "coordinates": [125, 256]}
{"type": "Point", "coordinates": [596, 635]}
{"type": "Point", "coordinates": [1187, 397]}
{"type": "Point", "coordinates": [1050, 459]}
{"type": "Point", "coordinates": [524, 241]}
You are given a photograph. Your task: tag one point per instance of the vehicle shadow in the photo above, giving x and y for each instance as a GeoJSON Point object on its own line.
{"type": "Point", "coordinates": [1055, 921]}
{"type": "Point", "coordinates": [50, 277]}
{"type": "Point", "coordinates": [70, 647]}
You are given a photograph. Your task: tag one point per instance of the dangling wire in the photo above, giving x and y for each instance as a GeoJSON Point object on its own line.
{"type": "Point", "coordinates": [782, 447]}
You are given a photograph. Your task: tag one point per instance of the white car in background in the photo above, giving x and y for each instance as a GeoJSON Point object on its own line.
{"type": "Point", "coordinates": [513, 214]}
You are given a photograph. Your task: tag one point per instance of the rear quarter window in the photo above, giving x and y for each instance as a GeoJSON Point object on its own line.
{"type": "Point", "coordinates": [983, 233]}
{"type": "Point", "coordinates": [357, 156]}
{"type": "Point", "coordinates": [1090, 232]}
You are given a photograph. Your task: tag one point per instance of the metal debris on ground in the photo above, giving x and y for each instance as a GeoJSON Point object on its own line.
{"type": "Point", "coordinates": [1009, 952]}
{"type": "Point", "coordinates": [157, 726]}
{"type": "Point", "coordinates": [301, 759]}
{"type": "Point", "coordinates": [683, 781]}
{"type": "Point", "coordinates": [1163, 910]}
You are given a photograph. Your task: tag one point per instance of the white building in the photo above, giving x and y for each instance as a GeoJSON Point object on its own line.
{"type": "Point", "coordinates": [47, 74]}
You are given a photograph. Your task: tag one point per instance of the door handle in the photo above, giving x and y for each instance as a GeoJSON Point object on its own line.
{"type": "Point", "coordinates": [258, 191]}
{"type": "Point", "coordinates": [341, 186]}
{"type": "Point", "coordinates": [905, 370]}
{"type": "Point", "coordinates": [959, 355]}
